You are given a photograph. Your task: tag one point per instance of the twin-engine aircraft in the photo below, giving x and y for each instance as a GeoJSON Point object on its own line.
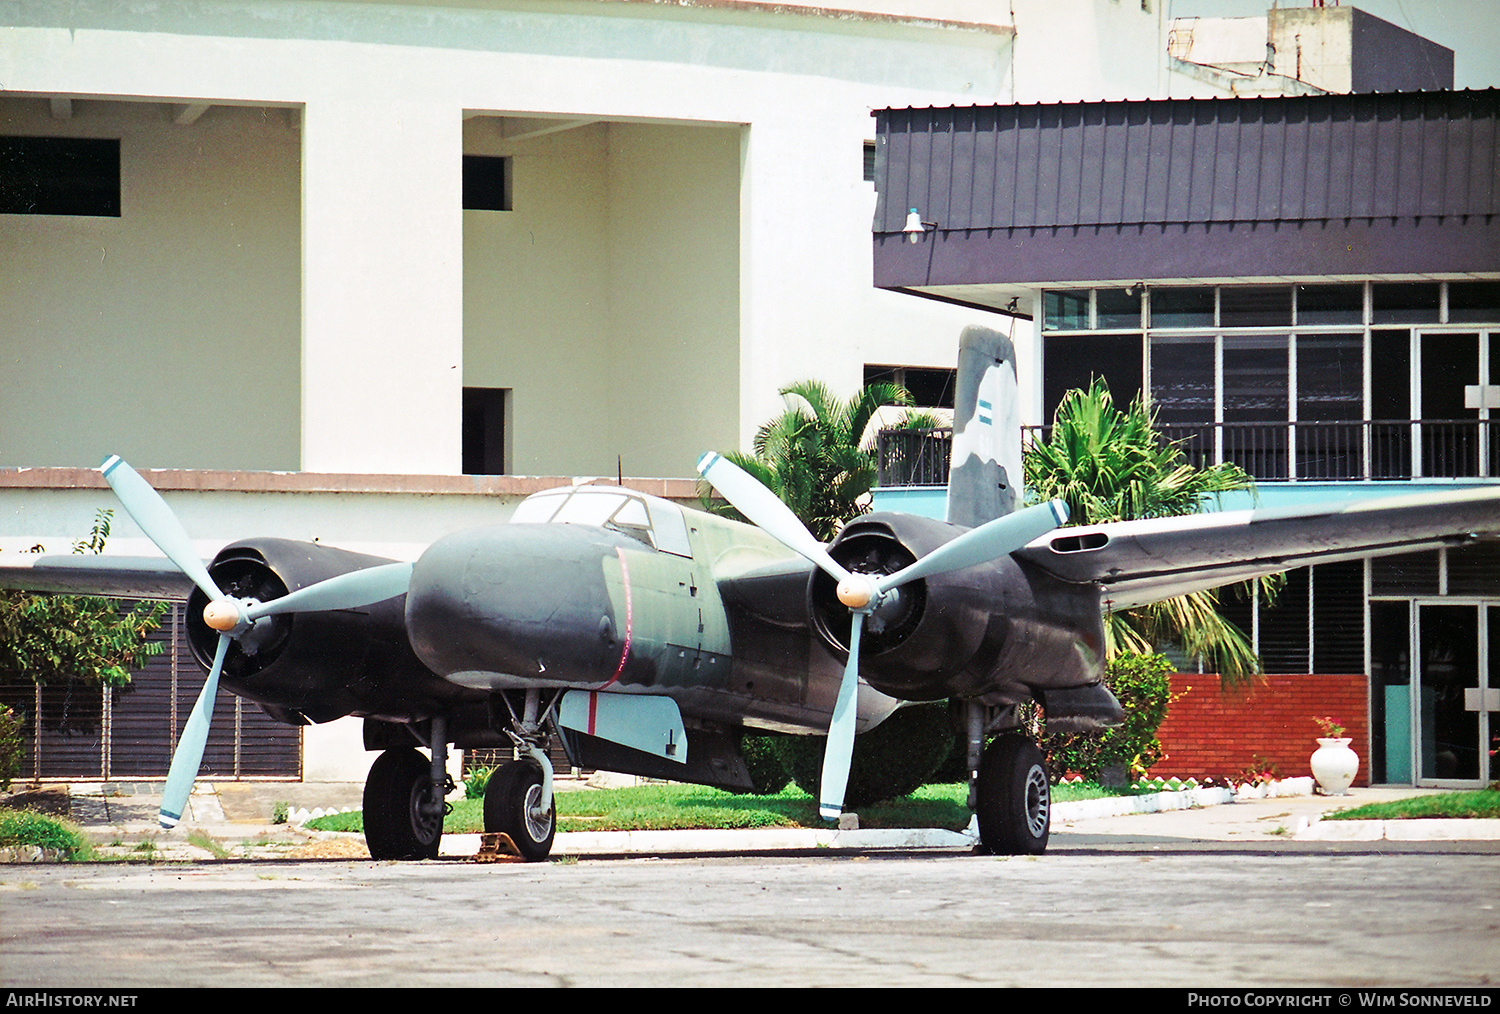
{"type": "Point", "coordinates": [650, 638]}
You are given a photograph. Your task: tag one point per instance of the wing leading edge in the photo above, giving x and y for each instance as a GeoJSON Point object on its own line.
{"type": "Point", "coordinates": [135, 577]}
{"type": "Point", "coordinates": [1138, 562]}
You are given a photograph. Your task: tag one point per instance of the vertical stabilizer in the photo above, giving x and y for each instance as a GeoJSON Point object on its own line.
{"type": "Point", "coordinates": [984, 481]}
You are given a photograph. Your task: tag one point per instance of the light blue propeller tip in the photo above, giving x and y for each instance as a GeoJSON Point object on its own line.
{"type": "Point", "coordinates": [1060, 511]}
{"type": "Point", "coordinates": [109, 464]}
{"type": "Point", "coordinates": [706, 461]}
{"type": "Point", "coordinates": [829, 812]}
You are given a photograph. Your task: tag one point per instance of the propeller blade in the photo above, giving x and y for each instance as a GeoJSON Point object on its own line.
{"type": "Point", "coordinates": [347, 591]}
{"type": "Point", "coordinates": [189, 755]}
{"type": "Point", "coordinates": [752, 499]}
{"type": "Point", "coordinates": [155, 518]}
{"type": "Point", "coordinates": [839, 750]}
{"type": "Point", "coordinates": [980, 545]}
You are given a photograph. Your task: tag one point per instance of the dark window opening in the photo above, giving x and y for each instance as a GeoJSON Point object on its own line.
{"type": "Point", "coordinates": [60, 176]}
{"type": "Point", "coordinates": [1330, 304]}
{"type": "Point", "coordinates": [487, 183]}
{"type": "Point", "coordinates": [929, 387]}
{"type": "Point", "coordinates": [1255, 306]}
{"type": "Point", "coordinates": [869, 161]}
{"type": "Point", "coordinates": [1283, 627]}
{"type": "Point", "coordinates": [484, 430]}
{"type": "Point", "coordinates": [1405, 303]}
{"type": "Point", "coordinates": [1117, 308]}
{"type": "Point", "coordinates": [1182, 307]}
{"type": "Point", "coordinates": [1473, 302]}
{"type": "Point", "coordinates": [1075, 362]}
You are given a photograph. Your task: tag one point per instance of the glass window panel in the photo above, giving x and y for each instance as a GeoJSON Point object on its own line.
{"type": "Point", "coordinates": [1404, 303]}
{"type": "Point", "coordinates": [1255, 306]}
{"type": "Point", "coordinates": [1182, 307]}
{"type": "Point", "coordinates": [1255, 379]}
{"type": "Point", "coordinates": [1474, 570]}
{"type": "Point", "coordinates": [1330, 377]}
{"type": "Point", "coordinates": [1183, 389]}
{"type": "Point", "coordinates": [1474, 302]}
{"type": "Point", "coordinates": [1073, 362]}
{"type": "Point", "coordinates": [586, 507]}
{"type": "Point", "coordinates": [1338, 604]}
{"type": "Point", "coordinates": [1184, 393]}
{"type": "Point", "coordinates": [1330, 407]}
{"type": "Point", "coordinates": [1065, 311]}
{"type": "Point", "coordinates": [1407, 574]}
{"type": "Point", "coordinates": [931, 388]}
{"type": "Point", "coordinates": [1283, 627]}
{"type": "Point", "coordinates": [1118, 308]}
{"type": "Point", "coordinates": [1390, 404]}
{"type": "Point", "coordinates": [1330, 304]}
{"type": "Point", "coordinates": [1255, 405]}
{"type": "Point", "coordinates": [538, 508]}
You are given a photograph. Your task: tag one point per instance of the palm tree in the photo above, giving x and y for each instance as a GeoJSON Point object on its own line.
{"type": "Point", "coordinates": [1111, 465]}
{"type": "Point", "coordinates": [810, 455]}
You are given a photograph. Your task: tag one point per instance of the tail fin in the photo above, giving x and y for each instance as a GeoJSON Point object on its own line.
{"type": "Point", "coordinates": [984, 479]}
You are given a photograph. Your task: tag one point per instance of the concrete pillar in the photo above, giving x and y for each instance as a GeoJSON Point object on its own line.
{"type": "Point", "coordinates": [382, 286]}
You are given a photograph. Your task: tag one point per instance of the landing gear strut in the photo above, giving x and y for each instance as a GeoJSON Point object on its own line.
{"type": "Point", "coordinates": [1009, 792]}
{"type": "Point", "coordinates": [403, 802]}
{"type": "Point", "coordinates": [518, 799]}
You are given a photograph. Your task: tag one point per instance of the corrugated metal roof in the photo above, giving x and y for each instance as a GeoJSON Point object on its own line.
{"type": "Point", "coordinates": [1287, 159]}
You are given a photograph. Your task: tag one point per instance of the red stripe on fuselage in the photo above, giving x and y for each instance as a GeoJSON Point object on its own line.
{"type": "Point", "coordinates": [625, 648]}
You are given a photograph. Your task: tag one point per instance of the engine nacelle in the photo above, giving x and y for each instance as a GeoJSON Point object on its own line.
{"type": "Point", "coordinates": [318, 665]}
{"type": "Point", "coordinates": [994, 631]}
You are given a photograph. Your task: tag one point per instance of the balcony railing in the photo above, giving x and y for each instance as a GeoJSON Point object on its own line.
{"type": "Point", "coordinates": [1381, 449]}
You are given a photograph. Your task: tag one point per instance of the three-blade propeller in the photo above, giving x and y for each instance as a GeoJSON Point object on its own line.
{"type": "Point", "coordinates": [231, 617]}
{"type": "Point", "coordinates": [863, 593]}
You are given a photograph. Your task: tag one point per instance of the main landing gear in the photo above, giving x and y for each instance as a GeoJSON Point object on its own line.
{"type": "Point", "coordinates": [405, 791]}
{"type": "Point", "coordinates": [403, 804]}
{"type": "Point", "coordinates": [1009, 792]}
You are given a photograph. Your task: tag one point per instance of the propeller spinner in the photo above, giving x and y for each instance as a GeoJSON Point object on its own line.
{"type": "Point", "coordinates": [231, 617]}
{"type": "Point", "coordinates": [862, 594]}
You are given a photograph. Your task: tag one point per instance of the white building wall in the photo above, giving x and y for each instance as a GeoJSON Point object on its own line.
{"type": "Point", "coordinates": [721, 274]}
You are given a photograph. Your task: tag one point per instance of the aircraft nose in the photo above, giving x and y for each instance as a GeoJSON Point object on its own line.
{"type": "Point", "coordinates": [517, 601]}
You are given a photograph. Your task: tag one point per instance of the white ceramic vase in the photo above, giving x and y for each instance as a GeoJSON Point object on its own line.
{"type": "Point", "coordinates": [1334, 766]}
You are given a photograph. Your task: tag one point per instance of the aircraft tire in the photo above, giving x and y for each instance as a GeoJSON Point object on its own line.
{"type": "Point", "coordinates": [395, 826]}
{"type": "Point", "coordinates": [1015, 801]}
{"type": "Point", "coordinates": [510, 803]}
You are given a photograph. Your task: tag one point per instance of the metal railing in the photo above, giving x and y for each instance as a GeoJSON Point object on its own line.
{"type": "Point", "coordinates": [1379, 449]}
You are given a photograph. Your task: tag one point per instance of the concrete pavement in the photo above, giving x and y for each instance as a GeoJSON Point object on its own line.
{"type": "Point", "coordinates": [234, 820]}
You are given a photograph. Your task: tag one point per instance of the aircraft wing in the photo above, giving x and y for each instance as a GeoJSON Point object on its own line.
{"type": "Point", "coordinates": [1138, 562]}
{"type": "Point", "coordinates": [130, 577]}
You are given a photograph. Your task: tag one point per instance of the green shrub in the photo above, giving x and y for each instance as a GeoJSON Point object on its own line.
{"type": "Point", "coordinates": [476, 782]}
{"type": "Point", "coordinates": [20, 828]}
{"type": "Point", "coordinates": [768, 774]}
{"type": "Point", "coordinates": [894, 759]}
{"type": "Point", "coordinates": [10, 747]}
{"type": "Point", "coordinates": [1142, 685]}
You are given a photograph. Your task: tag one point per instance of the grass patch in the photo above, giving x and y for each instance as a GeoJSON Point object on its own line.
{"type": "Point", "coordinates": [1480, 803]}
{"type": "Point", "coordinates": [695, 807]}
{"type": "Point", "coordinates": [21, 828]}
{"type": "Point", "coordinates": [207, 842]}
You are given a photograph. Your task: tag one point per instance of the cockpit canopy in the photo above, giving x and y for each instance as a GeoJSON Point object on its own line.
{"type": "Point", "coordinates": [656, 522]}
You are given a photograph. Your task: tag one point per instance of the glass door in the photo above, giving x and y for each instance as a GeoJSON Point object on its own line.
{"type": "Point", "coordinates": [1455, 682]}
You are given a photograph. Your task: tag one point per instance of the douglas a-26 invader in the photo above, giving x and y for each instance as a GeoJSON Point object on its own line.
{"type": "Point", "coordinates": [649, 637]}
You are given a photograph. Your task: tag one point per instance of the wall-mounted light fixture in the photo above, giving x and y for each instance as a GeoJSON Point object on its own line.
{"type": "Point", "coordinates": [916, 228]}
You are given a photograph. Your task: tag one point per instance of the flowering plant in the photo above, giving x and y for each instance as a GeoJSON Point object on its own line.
{"type": "Point", "coordinates": [1331, 728]}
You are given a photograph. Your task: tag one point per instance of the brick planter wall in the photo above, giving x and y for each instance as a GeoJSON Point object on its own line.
{"type": "Point", "coordinates": [1207, 732]}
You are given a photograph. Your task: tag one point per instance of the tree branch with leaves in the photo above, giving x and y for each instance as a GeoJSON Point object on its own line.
{"type": "Point", "coordinates": [1112, 465]}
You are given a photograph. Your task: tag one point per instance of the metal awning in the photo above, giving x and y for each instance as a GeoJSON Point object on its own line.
{"type": "Point", "coordinates": [1392, 185]}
